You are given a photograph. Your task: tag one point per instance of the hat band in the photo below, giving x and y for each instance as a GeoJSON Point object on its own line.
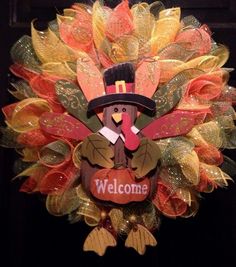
{"type": "Point", "coordinates": [120, 87]}
{"type": "Point", "coordinates": [125, 98]}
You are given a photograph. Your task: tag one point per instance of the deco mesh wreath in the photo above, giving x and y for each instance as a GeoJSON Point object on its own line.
{"type": "Point", "coordinates": [122, 114]}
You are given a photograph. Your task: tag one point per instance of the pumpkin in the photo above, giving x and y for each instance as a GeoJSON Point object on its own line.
{"type": "Point", "coordinates": [119, 186]}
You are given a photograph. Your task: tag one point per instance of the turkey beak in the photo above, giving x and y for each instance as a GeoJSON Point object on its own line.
{"type": "Point", "coordinates": [117, 117]}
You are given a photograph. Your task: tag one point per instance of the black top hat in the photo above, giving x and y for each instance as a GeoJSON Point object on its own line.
{"type": "Point", "coordinates": [120, 88]}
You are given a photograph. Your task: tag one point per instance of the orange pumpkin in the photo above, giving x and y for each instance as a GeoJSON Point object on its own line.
{"type": "Point", "coordinates": [119, 186]}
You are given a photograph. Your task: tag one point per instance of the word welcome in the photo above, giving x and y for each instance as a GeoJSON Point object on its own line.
{"type": "Point", "coordinates": [105, 186]}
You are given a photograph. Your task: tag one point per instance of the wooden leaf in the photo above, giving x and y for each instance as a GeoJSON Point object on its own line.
{"type": "Point", "coordinates": [145, 158]}
{"type": "Point", "coordinates": [98, 240]}
{"type": "Point", "coordinates": [97, 150]}
{"type": "Point", "coordinates": [74, 101]}
{"type": "Point", "coordinates": [140, 238]}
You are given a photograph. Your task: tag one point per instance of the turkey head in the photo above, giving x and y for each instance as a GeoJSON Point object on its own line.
{"type": "Point", "coordinates": [119, 119]}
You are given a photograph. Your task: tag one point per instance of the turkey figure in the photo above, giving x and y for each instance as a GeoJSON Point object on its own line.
{"type": "Point", "coordinates": [120, 108]}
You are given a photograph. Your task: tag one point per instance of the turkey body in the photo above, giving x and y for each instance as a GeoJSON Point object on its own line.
{"type": "Point", "coordinates": [122, 156]}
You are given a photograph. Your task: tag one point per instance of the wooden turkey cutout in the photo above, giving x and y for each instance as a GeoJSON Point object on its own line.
{"type": "Point", "coordinates": [106, 167]}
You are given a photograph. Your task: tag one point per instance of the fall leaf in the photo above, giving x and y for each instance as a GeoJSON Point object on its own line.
{"type": "Point", "coordinates": [145, 158]}
{"type": "Point", "coordinates": [97, 150]}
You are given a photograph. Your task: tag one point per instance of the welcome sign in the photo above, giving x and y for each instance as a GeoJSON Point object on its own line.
{"type": "Point", "coordinates": [119, 186]}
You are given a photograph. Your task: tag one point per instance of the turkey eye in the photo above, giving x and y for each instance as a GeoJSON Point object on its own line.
{"type": "Point", "coordinates": [116, 109]}
{"type": "Point", "coordinates": [124, 109]}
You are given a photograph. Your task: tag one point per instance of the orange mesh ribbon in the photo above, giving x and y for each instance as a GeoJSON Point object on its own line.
{"type": "Point", "coordinates": [22, 72]}
{"type": "Point", "coordinates": [76, 31]}
{"type": "Point", "coordinates": [206, 87]}
{"type": "Point", "coordinates": [44, 87]}
{"type": "Point", "coordinates": [205, 185]}
{"type": "Point", "coordinates": [35, 173]}
{"type": "Point", "coordinates": [209, 154]}
{"type": "Point", "coordinates": [24, 115]}
{"type": "Point", "coordinates": [34, 138]}
{"type": "Point", "coordinates": [197, 40]}
{"type": "Point", "coordinates": [58, 180]}
{"type": "Point", "coordinates": [168, 202]}
{"type": "Point", "coordinates": [119, 22]}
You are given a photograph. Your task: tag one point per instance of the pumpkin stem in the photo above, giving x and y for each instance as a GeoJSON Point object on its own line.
{"type": "Point", "coordinates": [118, 165]}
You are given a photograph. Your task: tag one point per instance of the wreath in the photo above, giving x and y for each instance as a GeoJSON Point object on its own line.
{"type": "Point", "coordinates": [121, 118]}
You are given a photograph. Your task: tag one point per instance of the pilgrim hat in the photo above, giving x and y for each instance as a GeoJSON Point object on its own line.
{"type": "Point", "coordinates": [120, 88]}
